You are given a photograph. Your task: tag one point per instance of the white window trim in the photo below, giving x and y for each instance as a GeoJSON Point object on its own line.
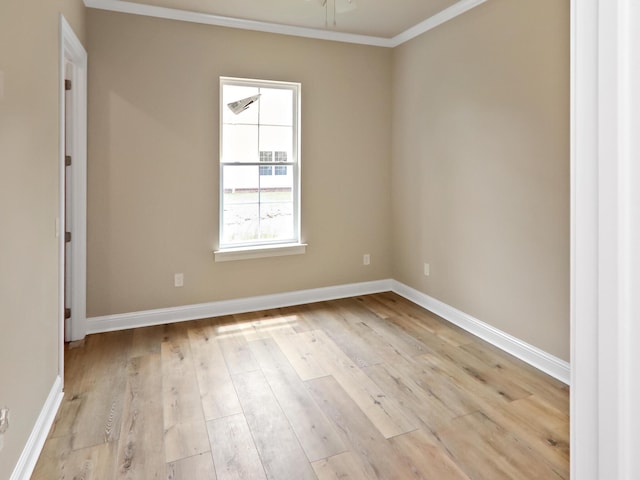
{"type": "Point", "coordinates": [290, 246]}
{"type": "Point", "coordinates": [261, 251]}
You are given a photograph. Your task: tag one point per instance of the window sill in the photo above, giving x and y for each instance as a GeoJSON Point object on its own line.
{"type": "Point", "coordinates": [247, 253]}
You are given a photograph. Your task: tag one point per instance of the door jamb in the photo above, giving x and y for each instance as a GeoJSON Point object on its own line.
{"type": "Point", "coordinates": [72, 51]}
{"type": "Point", "coordinates": [605, 230]}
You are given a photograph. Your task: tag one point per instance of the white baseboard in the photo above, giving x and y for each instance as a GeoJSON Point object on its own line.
{"type": "Point", "coordinates": [532, 355]}
{"type": "Point", "coordinates": [539, 359]}
{"type": "Point", "coordinates": [162, 316]}
{"type": "Point", "coordinates": [33, 448]}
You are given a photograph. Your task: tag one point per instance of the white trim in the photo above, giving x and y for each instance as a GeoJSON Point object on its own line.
{"type": "Point", "coordinates": [33, 448]}
{"type": "Point", "coordinates": [72, 51]}
{"type": "Point", "coordinates": [208, 19]}
{"type": "Point", "coordinates": [438, 19]}
{"type": "Point", "coordinates": [263, 251]}
{"type": "Point", "coordinates": [161, 316]}
{"type": "Point", "coordinates": [630, 238]}
{"type": "Point", "coordinates": [584, 240]}
{"type": "Point", "coordinates": [605, 232]}
{"type": "Point", "coordinates": [534, 356]}
{"type": "Point", "coordinates": [220, 21]}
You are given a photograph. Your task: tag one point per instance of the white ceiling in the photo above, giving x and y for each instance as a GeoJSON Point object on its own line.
{"type": "Point", "coordinates": [376, 22]}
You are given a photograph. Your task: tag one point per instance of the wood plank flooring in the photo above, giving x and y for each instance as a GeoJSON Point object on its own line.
{"type": "Point", "coordinates": [372, 387]}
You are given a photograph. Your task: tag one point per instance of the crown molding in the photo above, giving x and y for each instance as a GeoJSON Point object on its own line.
{"type": "Point", "coordinates": [220, 21]}
{"type": "Point", "coordinates": [432, 22]}
{"type": "Point", "coordinates": [208, 19]}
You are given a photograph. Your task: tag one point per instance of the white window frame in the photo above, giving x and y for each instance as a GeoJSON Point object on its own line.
{"type": "Point", "coordinates": [263, 248]}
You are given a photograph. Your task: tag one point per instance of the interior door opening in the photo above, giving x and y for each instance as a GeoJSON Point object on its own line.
{"type": "Point", "coordinates": [68, 201]}
{"type": "Point", "coordinates": [72, 197]}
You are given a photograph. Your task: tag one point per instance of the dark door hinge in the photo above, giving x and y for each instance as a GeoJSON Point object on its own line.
{"type": "Point", "coordinates": [67, 84]}
{"type": "Point", "coordinates": [67, 237]}
{"type": "Point", "coordinates": [67, 160]}
{"type": "Point", "coordinates": [67, 313]}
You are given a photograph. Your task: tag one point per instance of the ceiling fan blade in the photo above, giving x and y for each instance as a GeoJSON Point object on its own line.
{"type": "Point", "coordinates": [344, 6]}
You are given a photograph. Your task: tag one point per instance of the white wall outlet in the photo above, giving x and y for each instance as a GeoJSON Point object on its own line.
{"type": "Point", "coordinates": [366, 259]}
{"type": "Point", "coordinates": [178, 280]}
{"type": "Point", "coordinates": [426, 269]}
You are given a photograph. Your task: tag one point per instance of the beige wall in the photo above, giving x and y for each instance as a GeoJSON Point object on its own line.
{"type": "Point", "coordinates": [480, 169]}
{"type": "Point", "coordinates": [29, 43]}
{"type": "Point", "coordinates": [153, 152]}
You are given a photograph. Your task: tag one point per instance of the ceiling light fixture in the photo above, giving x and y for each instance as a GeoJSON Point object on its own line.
{"type": "Point", "coordinates": [240, 106]}
{"type": "Point", "coordinates": [339, 6]}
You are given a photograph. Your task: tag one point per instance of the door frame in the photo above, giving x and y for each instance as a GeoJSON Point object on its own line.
{"type": "Point", "coordinates": [605, 233]}
{"type": "Point", "coordinates": [72, 52]}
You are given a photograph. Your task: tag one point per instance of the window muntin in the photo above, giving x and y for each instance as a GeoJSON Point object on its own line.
{"type": "Point", "coordinates": [259, 204]}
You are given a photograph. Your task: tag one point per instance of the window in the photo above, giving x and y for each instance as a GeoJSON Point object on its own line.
{"type": "Point", "coordinates": [281, 157]}
{"type": "Point", "coordinates": [265, 171]}
{"type": "Point", "coordinates": [259, 163]}
{"type": "Point", "coordinates": [265, 157]}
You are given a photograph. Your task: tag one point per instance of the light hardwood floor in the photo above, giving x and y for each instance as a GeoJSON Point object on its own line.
{"type": "Point", "coordinates": [372, 387]}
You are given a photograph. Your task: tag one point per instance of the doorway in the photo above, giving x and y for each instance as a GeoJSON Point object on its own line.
{"type": "Point", "coordinates": [72, 181]}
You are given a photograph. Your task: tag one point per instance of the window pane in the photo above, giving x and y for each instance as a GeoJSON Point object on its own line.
{"type": "Point", "coordinates": [233, 93]}
{"type": "Point", "coordinates": [281, 170]}
{"type": "Point", "coordinates": [240, 179]}
{"type": "Point", "coordinates": [276, 218]}
{"type": "Point", "coordinates": [277, 139]}
{"type": "Point", "coordinates": [278, 183]}
{"type": "Point", "coordinates": [256, 208]}
{"type": "Point", "coordinates": [266, 156]}
{"type": "Point", "coordinates": [240, 143]}
{"type": "Point", "coordinates": [265, 171]}
{"type": "Point", "coordinates": [241, 223]}
{"type": "Point", "coordinates": [241, 198]}
{"type": "Point", "coordinates": [276, 106]}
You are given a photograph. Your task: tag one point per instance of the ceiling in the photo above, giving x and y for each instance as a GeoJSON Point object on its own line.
{"type": "Point", "coordinates": [379, 22]}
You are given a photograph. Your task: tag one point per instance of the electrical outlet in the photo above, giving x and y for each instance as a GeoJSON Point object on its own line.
{"type": "Point", "coordinates": [426, 269]}
{"type": "Point", "coordinates": [366, 259]}
{"type": "Point", "coordinates": [178, 280]}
